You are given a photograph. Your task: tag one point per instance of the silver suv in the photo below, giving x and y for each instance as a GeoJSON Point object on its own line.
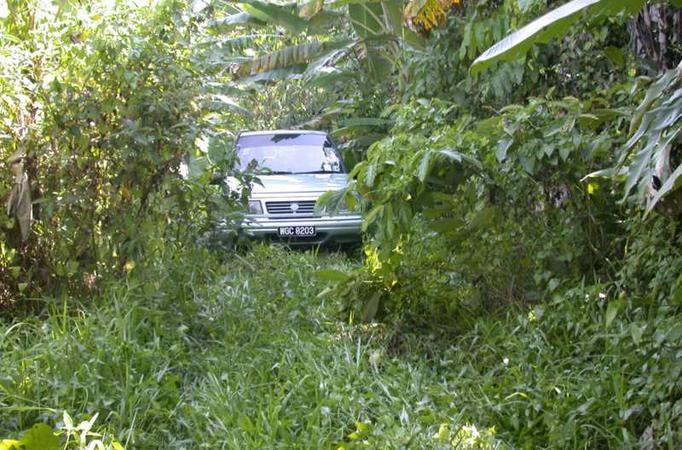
{"type": "Point", "coordinates": [297, 167]}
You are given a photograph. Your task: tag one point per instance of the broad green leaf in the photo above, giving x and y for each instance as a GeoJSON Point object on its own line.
{"type": "Point", "coordinates": [380, 67]}
{"type": "Point", "coordinates": [564, 151]}
{"type": "Point", "coordinates": [310, 55]}
{"type": "Point", "coordinates": [233, 20]}
{"type": "Point", "coordinates": [451, 154]}
{"type": "Point", "coordinates": [528, 164]}
{"type": "Point", "coordinates": [40, 437]}
{"type": "Point", "coordinates": [331, 275]}
{"type": "Point", "coordinates": [502, 148]}
{"type": "Point", "coordinates": [282, 15]}
{"type": "Point", "coordinates": [366, 19]}
{"type": "Point", "coordinates": [424, 166]}
{"type": "Point", "coordinates": [615, 55]}
{"type": "Point", "coordinates": [327, 76]}
{"type": "Point", "coordinates": [612, 310]}
{"type": "Point", "coordinates": [222, 101]}
{"type": "Point", "coordinates": [554, 23]}
{"type": "Point", "coordinates": [393, 16]}
{"type": "Point", "coordinates": [460, 157]}
{"type": "Point", "coordinates": [275, 75]}
{"type": "Point", "coordinates": [640, 164]}
{"type": "Point", "coordinates": [334, 201]}
{"type": "Point", "coordinates": [446, 225]}
{"type": "Point", "coordinates": [369, 22]}
{"type": "Point", "coordinates": [374, 213]}
{"type": "Point", "coordinates": [641, 171]}
{"type": "Point", "coordinates": [483, 219]}
{"type": "Point", "coordinates": [322, 120]}
{"type": "Point", "coordinates": [352, 202]}
{"type": "Point", "coordinates": [413, 40]}
{"type": "Point", "coordinates": [321, 22]}
{"type": "Point", "coordinates": [652, 95]}
{"type": "Point", "coordinates": [590, 121]}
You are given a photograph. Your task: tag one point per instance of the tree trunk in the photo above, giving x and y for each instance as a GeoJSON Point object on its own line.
{"type": "Point", "coordinates": [657, 35]}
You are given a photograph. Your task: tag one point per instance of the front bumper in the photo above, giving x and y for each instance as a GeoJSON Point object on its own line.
{"type": "Point", "coordinates": [335, 229]}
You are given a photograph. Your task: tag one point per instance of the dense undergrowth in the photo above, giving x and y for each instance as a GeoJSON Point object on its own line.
{"type": "Point", "coordinates": [520, 286]}
{"type": "Point", "coordinates": [191, 352]}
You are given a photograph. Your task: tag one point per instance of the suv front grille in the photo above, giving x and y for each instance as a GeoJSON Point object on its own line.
{"type": "Point", "coordinates": [299, 207]}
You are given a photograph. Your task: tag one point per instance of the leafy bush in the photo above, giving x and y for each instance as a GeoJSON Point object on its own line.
{"type": "Point", "coordinates": [68, 435]}
{"type": "Point", "coordinates": [485, 196]}
{"type": "Point", "coordinates": [106, 104]}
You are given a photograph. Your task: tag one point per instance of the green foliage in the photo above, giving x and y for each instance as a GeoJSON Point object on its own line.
{"type": "Point", "coordinates": [650, 272]}
{"type": "Point", "coordinates": [505, 300]}
{"type": "Point", "coordinates": [191, 352]}
{"type": "Point", "coordinates": [441, 70]}
{"type": "Point", "coordinates": [579, 64]}
{"type": "Point", "coordinates": [41, 437]}
{"type": "Point", "coordinates": [654, 133]}
{"type": "Point", "coordinates": [553, 24]}
{"type": "Point", "coordinates": [493, 194]}
{"type": "Point", "coordinates": [106, 104]}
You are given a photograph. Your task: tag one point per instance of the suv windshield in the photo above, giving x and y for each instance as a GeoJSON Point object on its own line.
{"type": "Point", "coordinates": [289, 153]}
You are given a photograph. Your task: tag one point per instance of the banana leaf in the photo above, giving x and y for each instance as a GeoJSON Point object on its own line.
{"type": "Point", "coordinates": [553, 24]}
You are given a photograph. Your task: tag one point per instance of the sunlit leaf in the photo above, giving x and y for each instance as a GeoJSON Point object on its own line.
{"type": "Point", "coordinates": [331, 275]}
{"type": "Point", "coordinates": [231, 21]}
{"type": "Point", "coordinates": [10, 444]}
{"type": "Point", "coordinates": [222, 101]}
{"type": "Point", "coordinates": [296, 55]}
{"type": "Point", "coordinates": [40, 437]}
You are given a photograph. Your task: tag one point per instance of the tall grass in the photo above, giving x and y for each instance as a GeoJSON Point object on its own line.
{"type": "Point", "coordinates": [191, 352]}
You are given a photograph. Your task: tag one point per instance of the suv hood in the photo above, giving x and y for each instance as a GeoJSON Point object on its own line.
{"type": "Point", "coordinates": [308, 182]}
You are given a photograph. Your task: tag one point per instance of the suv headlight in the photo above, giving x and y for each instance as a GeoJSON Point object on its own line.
{"type": "Point", "coordinates": [255, 207]}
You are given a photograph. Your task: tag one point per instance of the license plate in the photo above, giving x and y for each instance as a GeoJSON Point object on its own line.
{"type": "Point", "coordinates": [300, 231]}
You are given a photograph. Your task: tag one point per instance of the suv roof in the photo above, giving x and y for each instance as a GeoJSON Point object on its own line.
{"type": "Point", "coordinates": [264, 132]}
